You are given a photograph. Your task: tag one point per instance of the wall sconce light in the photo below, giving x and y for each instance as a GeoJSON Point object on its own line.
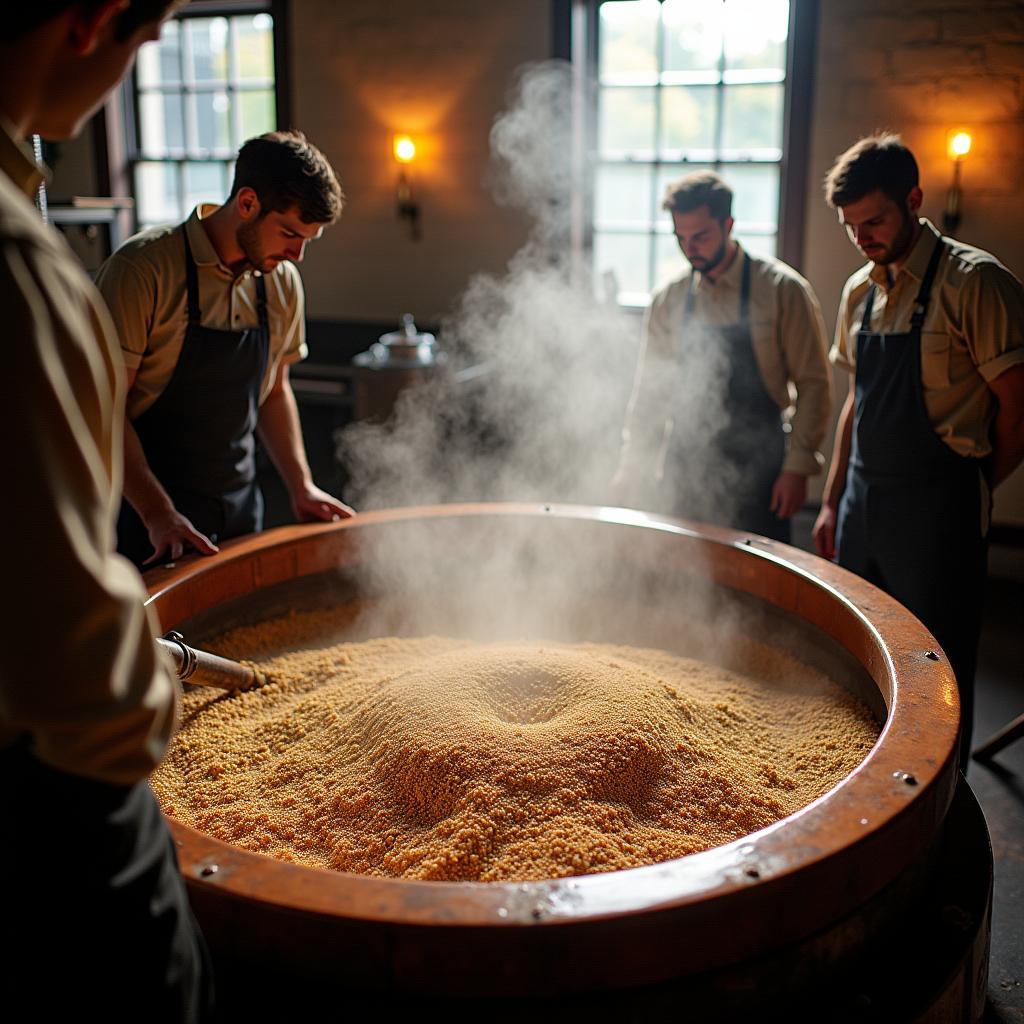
{"type": "Point", "coordinates": [958, 145]}
{"type": "Point", "coordinates": [407, 208]}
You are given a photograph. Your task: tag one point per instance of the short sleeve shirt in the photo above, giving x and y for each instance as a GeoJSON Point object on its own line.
{"type": "Point", "coordinates": [972, 332]}
{"type": "Point", "coordinates": [144, 285]}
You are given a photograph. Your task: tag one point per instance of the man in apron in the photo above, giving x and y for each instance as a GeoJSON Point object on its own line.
{"type": "Point", "coordinates": [732, 390]}
{"type": "Point", "coordinates": [96, 921]}
{"type": "Point", "coordinates": [933, 331]}
{"type": "Point", "coordinates": [211, 315]}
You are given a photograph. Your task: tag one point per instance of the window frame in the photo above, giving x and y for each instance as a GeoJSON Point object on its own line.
{"type": "Point", "coordinates": [575, 38]}
{"type": "Point", "coordinates": [122, 137]}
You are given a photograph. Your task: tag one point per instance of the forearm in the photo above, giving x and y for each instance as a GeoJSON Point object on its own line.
{"type": "Point", "coordinates": [280, 432]}
{"type": "Point", "coordinates": [142, 490]}
{"type": "Point", "coordinates": [1007, 444]}
{"type": "Point", "coordinates": [836, 479]}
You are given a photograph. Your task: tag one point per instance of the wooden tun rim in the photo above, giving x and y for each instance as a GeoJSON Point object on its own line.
{"type": "Point", "coordinates": [774, 886]}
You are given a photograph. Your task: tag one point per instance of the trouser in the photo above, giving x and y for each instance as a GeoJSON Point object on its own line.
{"type": "Point", "coordinates": [923, 545]}
{"type": "Point", "coordinates": [96, 919]}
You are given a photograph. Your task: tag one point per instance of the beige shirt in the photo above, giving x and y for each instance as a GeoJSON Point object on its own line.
{"type": "Point", "coordinates": [973, 331]}
{"type": "Point", "coordinates": [80, 675]}
{"type": "Point", "coordinates": [788, 335]}
{"type": "Point", "coordinates": [145, 288]}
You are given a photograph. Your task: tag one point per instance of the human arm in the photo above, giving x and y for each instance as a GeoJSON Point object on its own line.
{"type": "Point", "coordinates": [95, 697]}
{"type": "Point", "coordinates": [281, 433]}
{"type": "Point", "coordinates": [800, 336]}
{"type": "Point", "coordinates": [992, 325]}
{"type": "Point", "coordinates": [1007, 431]}
{"type": "Point", "coordinates": [824, 532]}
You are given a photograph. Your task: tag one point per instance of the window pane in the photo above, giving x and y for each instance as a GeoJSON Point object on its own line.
{"type": "Point", "coordinates": [627, 120]}
{"type": "Point", "coordinates": [755, 34]}
{"type": "Point", "coordinates": [206, 49]}
{"type": "Point", "coordinates": [757, 245]}
{"type": "Point", "coordinates": [622, 195]}
{"type": "Point", "coordinates": [257, 113]}
{"type": "Point", "coordinates": [628, 32]}
{"type": "Point", "coordinates": [161, 125]}
{"type": "Point", "coordinates": [756, 188]}
{"type": "Point", "coordinates": [156, 191]}
{"type": "Point", "coordinates": [159, 62]}
{"type": "Point", "coordinates": [254, 47]}
{"type": "Point", "coordinates": [210, 117]}
{"type": "Point", "coordinates": [627, 256]}
{"type": "Point", "coordinates": [752, 118]}
{"type": "Point", "coordinates": [693, 34]}
{"type": "Point", "coordinates": [688, 117]}
{"type": "Point", "coordinates": [204, 183]}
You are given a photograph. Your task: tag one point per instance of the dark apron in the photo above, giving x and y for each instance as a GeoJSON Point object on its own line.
{"type": "Point", "coordinates": [198, 436]}
{"type": "Point", "coordinates": [910, 516]}
{"type": "Point", "coordinates": [726, 477]}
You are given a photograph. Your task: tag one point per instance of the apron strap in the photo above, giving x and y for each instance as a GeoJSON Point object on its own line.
{"type": "Point", "coordinates": [192, 284]}
{"type": "Point", "coordinates": [191, 280]}
{"type": "Point", "coordinates": [869, 302]}
{"type": "Point", "coordinates": [921, 302]}
{"type": "Point", "coordinates": [261, 303]}
{"type": "Point", "coordinates": [923, 295]}
{"type": "Point", "coordinates": [745, 290]}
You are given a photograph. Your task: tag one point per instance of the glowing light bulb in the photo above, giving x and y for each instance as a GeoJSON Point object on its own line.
{"type": "Point", "coordinates": [405, 149]}
{"type": "Point", "coordinates": [958, 145]}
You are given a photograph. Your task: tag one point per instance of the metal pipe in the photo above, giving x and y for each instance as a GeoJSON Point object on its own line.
{"type": "Point", "coordinates": [200, 668]}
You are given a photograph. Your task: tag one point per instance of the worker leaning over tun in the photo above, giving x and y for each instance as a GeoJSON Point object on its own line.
{"type": "Point", "coordinates": [211, 314]}
{"type": "Point", "coordinates": [95, 918]}
{"type": "Point", "coordinates": [933, 331]}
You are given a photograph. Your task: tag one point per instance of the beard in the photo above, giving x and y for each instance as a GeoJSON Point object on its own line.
{"type": "Point", "coordinates": [248, 238]}
{"type": "Point", "coordinates": [901, 244]}
{"type": "Point", "coordinates": [704, 265]}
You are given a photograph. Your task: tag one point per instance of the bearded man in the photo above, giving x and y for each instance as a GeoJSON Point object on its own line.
{"type": "Point", "coordinates": [933, 331]}
{"type": "Point", "coordinates": [210, 314]}
{"type": "Point", "coordinates": [732, 393]}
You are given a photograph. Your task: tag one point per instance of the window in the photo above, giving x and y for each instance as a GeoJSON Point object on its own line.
{"type": "Point", "coordinates": [684, 85]}
{"type": "Point", "coordinates": [201, 90]}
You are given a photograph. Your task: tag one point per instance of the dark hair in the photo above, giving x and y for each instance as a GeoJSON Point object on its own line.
{"type": "Point", "coordinates": [875, 162]}
{"type": "Point", "coordinates": [22, 18]}
{"type": "Point", "coordinates": [702, 188]}
{"type": "Point", "coordinates": [286, 170]}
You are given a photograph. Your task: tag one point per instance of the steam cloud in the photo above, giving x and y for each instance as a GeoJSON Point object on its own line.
{"type": "Point", "coordinates": [544, 422]}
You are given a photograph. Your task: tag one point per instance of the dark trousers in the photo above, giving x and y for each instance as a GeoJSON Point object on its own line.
{"type": "Point", "coordinates": [96, 921]}
{"type": "Point", "coordinates": [924, 546]}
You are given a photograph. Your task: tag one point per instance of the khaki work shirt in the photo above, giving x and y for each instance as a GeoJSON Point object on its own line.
{"type": "Point", "coordinates": [145, 288]}
{"type": "Point", "coordinates": [973, 331]}
{"type": "Point", "coordinates": [80, 675]}
{"type": "Point", "coordinates": [790, 348]}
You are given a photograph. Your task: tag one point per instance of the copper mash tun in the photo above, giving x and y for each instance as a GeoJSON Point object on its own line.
{"type": "Point", "coordinates": [879, 890]}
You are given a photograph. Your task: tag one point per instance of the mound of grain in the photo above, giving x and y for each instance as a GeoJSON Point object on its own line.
{"type": "Point", "coordinates": [439, 758]}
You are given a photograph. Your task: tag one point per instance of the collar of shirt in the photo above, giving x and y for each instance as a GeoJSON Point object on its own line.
{"type": "Point", "coordinates": [916, 265]}
{"type": "Point", "coordinates": [203, 251]}
{"type": "Point", "coordinates": [728, 281]}
{"type": "Point", "coordinates": [17, 162]}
